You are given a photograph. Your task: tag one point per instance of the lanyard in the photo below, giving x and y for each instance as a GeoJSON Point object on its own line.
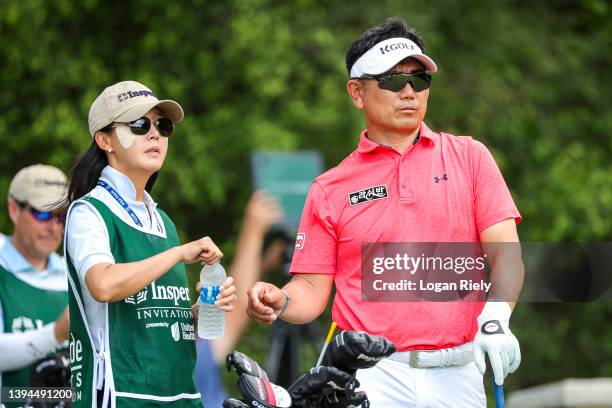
{"type": "Point", "coordinates": [121, 202]}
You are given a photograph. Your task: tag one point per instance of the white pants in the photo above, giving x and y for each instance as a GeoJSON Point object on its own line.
{"type": "Point", "coordinates": [392, 384]}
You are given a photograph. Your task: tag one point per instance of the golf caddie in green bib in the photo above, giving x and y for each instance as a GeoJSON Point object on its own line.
{"type": "Point", "coordinates": [34, 321]}
{"type": "Point", "coordinates": [132, 325]}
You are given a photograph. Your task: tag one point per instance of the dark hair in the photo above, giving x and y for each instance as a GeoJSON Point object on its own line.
{"type": "Point", "coordinates": [83, 176]}
{"type": "Point", "coordinates": [86, 171]}
{"type": "Point", "coordinates": [393, 27]}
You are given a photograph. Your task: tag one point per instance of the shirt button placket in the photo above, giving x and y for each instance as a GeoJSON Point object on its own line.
{"type": "Point", "coordinates": [406, 195]}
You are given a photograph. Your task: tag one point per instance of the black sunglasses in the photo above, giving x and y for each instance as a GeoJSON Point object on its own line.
{"type": "Point", "coordinates": [396, 81]}
{"type": "Point", "coordinates": [43, 216]}
{"type": "Point", "coordinates": [141, 126]}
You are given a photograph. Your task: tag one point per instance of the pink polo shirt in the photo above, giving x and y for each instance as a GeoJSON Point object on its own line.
{"type": "Point", "coordinates": [444, 188]}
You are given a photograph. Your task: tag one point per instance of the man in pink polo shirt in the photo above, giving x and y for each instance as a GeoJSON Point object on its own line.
{"type": "Point", "coordinates": [404, 183]}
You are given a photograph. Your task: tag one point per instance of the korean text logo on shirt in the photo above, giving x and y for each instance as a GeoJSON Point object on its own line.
{"type": "Point", "coordinates": [368, 194]}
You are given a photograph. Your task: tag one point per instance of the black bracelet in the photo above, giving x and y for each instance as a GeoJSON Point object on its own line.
{"type": "Point", "coordinates": [288, 299]}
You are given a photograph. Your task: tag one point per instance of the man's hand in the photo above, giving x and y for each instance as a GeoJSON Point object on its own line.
{"type": "Point", "coordinates": [495, 339]}
{"type": "Point", "coordinates": [265, 302]}
{"type": "Point", "coordinates": [203, 250]}
{"type": "Point", "coordinates": [62, 327]}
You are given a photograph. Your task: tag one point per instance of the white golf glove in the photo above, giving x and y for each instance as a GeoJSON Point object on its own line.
{"type": "Point", "coordinates": [495, 339]}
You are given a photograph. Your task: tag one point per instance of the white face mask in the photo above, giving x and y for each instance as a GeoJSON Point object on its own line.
{"type": "Point", "coordinates": [125, 136]}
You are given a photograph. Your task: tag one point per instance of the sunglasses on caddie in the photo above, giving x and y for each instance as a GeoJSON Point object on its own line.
{"type": "Point", "coordinates": [141, 126]}
{"type": "Point", "coordinates": [396, 81]}
{"type": "Point", "coordinates": [43, 216]}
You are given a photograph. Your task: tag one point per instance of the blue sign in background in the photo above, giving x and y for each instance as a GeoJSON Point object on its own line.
{"type": "Point", "coordinates": [288, 176]}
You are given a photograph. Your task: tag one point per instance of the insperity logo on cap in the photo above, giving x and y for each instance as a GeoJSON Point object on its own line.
{"type": "Point", "coordinates": [384, 55]}
{"type": "Point", "coordinates": [127, 101]}
{"type": "Point", "coordinates": [132, 94]}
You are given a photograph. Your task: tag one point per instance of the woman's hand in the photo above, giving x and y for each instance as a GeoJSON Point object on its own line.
{"type": "Point", "coordinates": [203, 250]}
{"type": "Point", "coordinates": [226, 297]}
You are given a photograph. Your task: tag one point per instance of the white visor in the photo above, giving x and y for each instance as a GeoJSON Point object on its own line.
{"type": "Point", "coordinates": [386, 54]}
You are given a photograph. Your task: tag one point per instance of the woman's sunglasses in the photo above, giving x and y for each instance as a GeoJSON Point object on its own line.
{"type": "Point", "coordinates": [141, 126]}
{"type": "Point", "coordinates": [396, 81]}
{"type": "Point", "coordinates": [43, 216]}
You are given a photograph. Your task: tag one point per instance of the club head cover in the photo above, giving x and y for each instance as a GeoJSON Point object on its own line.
{"type": "Point", "coordinates": [234, 403]}
{"type": "Point", "coordinates": [346, 399]}
{"type": "Point", "coordinates": [308, 390]}
{"type": "Point", "coordinates": [351, 351]}
{"type": "Point", "coordinates": [261, 393]}
{"type": "Point", "coordinates": [243, 364]}
{"type": "Point", "coordinates": [52, 370]}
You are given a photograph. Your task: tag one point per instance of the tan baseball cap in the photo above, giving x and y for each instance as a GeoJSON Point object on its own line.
{"type": "Point", "coordinates": [127, 101]}
{"type": "Point", "coordinates": [40, 186]}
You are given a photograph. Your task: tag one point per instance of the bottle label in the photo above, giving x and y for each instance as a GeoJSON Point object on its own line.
{"type": "Point", "coordinates": [209, 294]}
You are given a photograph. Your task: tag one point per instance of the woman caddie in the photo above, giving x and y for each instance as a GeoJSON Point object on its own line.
{"type": "Point", "coordinates": [130, 313]}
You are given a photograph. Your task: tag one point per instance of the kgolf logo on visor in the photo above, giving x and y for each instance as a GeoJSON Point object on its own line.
{"type": "Point", "coordinates": [398, 46]}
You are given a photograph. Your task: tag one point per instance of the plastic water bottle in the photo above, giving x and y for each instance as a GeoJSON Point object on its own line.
{"type": "Point", "coordinates": [211, 319]}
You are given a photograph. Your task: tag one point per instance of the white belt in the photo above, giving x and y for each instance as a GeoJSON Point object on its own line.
{"type": "Point", "coordinates": [448, 357]}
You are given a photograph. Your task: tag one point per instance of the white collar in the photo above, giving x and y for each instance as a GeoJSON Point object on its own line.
{"type": "Point", "coordinates": [124, 186]}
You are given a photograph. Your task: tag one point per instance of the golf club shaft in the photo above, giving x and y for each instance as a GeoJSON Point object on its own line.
{"type": "Point", "coordinates": [332, 328]}
{"type": "Point", "coordinates": [498, 391]}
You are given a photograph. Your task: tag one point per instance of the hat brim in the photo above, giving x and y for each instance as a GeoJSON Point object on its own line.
{"type": "Point", "coordinates": [169, 109]}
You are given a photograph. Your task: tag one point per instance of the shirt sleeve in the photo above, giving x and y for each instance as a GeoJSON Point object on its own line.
{"type": "Point", "coordinates": [87, 239]}
{"type": "Point", "coordinates": [22, 349]}
{"type": "Point", "coordinates": [316, 241]}
{"type": "Point", "coordinates": [493, 202]}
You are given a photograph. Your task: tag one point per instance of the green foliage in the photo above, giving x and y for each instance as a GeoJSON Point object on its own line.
{"type": "Point", "coordinates": [527, 78]}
